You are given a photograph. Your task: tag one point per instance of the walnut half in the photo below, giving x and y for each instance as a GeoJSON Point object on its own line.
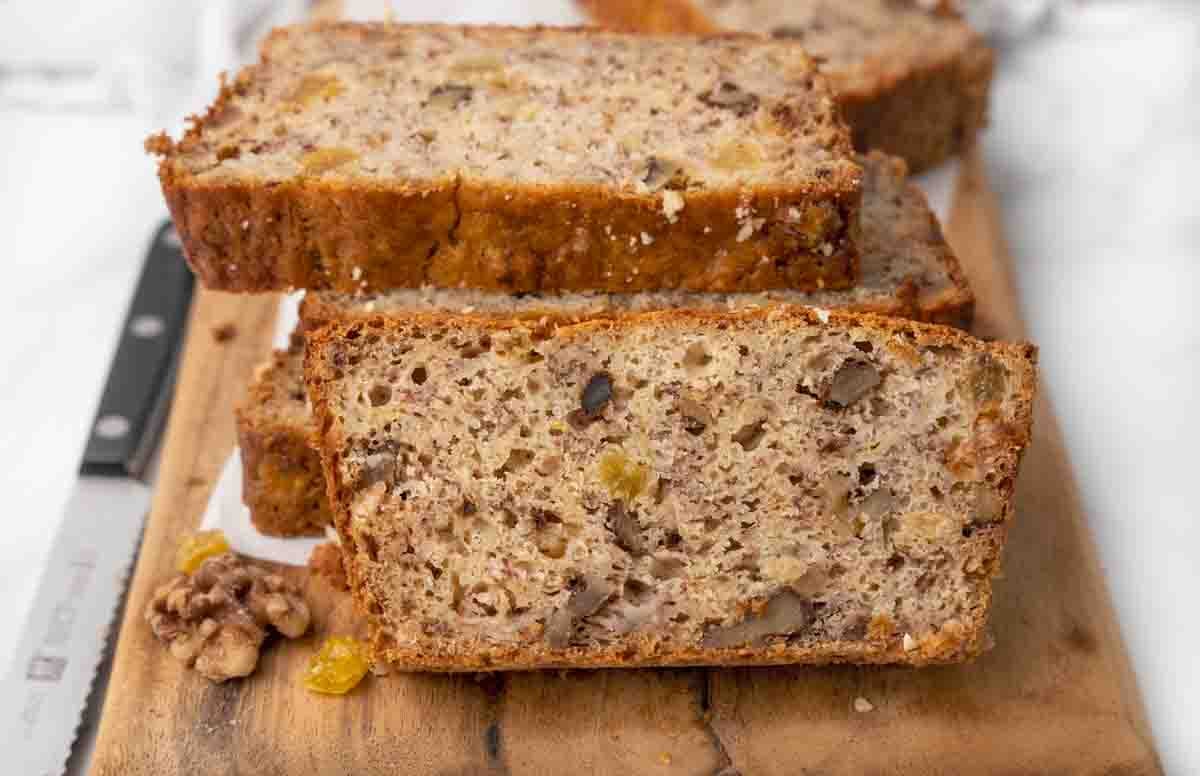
{"type": "Point", "coordinates": [216, 619]}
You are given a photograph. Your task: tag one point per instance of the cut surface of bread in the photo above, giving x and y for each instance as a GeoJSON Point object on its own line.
{"type": "Point", "coordinates": [374, 156]}
{"type": "Point", "coordinates": [765, 486]}
{"type": "Point", "coordinates": [912, 77]}
{"type": "Point", "coordinates": [282, 483]}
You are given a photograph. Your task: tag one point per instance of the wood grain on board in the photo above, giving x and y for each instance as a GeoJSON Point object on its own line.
{"type": "Point", "coordinates": [1056, 695]}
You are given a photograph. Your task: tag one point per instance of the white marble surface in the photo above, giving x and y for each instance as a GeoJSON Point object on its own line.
{"type": "Point", "coordinates": [1095, 153]}
{"type": "Point", "coordinates": [1094, 149]}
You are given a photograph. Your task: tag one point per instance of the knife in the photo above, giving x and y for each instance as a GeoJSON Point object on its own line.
{"type": "Point", "coordinates": [44, 696]}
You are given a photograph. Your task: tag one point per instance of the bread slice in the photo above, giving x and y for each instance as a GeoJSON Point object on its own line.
{"type": "Point", "coordinates": [282, 483]}
{"type": "Point", "coordinates": [912, 78]}
{"type": "Point", "coordinates": [908, 271]}
{"type": "Point", "coordinates": [776, 485]}
{"type": "Point", "coordinates": [362, 157]}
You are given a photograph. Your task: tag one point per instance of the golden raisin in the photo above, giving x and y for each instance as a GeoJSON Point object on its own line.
{"type": "Point", "coordinates": [624, 478]}
{"type": "Point", "coordinates": [198, 547]}
{"type": "Point", "coordinates": [737, 155]}
{"type": "Point", "coordinates": [338, 666]}
{"type": "Point", "coordinates": [317, 86]}
{"type": "Point", "coordinates": [322, 160]}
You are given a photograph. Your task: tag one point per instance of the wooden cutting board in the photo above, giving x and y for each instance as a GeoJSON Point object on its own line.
{"type": "Point", "coordinates": [1056, 695]}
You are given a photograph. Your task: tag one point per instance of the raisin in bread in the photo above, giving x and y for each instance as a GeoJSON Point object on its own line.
{"type": "Point", "coordinates": [908, 271]}
{"type": "Point", "coordinates": [912, 77]}
{"type": "Point", "coordinates": [768, 486]}
{"type": "Point", "coordinates": [282, 484]}
{"type": "Point", "coordinates": [375, 156]}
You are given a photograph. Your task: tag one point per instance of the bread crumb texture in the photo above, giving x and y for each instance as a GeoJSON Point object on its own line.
{"type": "Point", "coordinates": [523, 105]}
{"type": "Point", "coordinates": [911, 76]}
{"type": "Point", "coordinates": [670, 488]}
{"type": "Point", "coordinates": [854, 40]}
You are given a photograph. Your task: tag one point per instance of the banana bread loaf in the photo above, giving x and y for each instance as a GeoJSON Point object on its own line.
{"type": "Point", "coordinates": [364, 157]}
{"type": "Point", "coordinates": [777, 485]}
{"type": "Point", "coordinates": [912, 77]}
{"type": "Point", "coordinates": [908, 271]}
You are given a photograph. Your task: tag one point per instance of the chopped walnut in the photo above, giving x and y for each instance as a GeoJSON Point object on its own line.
{"type": "Point", "coordinates": [731, 96]}
{"type": "Point", "coordinates": [853, 380]}
{"type": "Point", "coordinates": [216, 619]}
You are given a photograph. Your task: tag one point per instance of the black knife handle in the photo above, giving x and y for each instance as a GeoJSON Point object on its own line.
{"type": "Point", "coordinates": [140, 377]}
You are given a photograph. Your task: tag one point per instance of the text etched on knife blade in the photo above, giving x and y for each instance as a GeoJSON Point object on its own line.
{"type": "Point", "coordinates": [48, 664]}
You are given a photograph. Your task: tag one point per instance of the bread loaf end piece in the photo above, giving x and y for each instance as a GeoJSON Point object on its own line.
{"type": "Point", "coordinates": [282, 482]}
{"type": "Point", "coordinates": [912, 77]}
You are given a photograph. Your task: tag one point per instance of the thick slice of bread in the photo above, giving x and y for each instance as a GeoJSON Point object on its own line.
{"type": "Point", "coordinates": [908, 271]}
{"type": "Point", "coordinates": [776, 485]}
{"type": "Point", "coordinates": [911, 77]}
{"type": "Point", "coordinates": [374, 156]}
{"type": "Point", "coordinates": [282, 482]}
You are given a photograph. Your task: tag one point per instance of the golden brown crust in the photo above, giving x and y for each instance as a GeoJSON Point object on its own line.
{"type": "Point", "coordinates": [924, 113]}
{"type": "Point", "coordinates": [282, 481]}
{"type": "Point", "coordinates": [931, 114]}
{"type": "Point", "coordinates": [961, 643]}
{"type": "Point", "coordinates": [897, 223]}
{"type": "Point", "coordinates": [247, 235]}
{"type": "Point", "coordinates": [944, 647]}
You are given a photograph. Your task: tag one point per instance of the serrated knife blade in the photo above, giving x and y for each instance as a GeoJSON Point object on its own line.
{"type": "Point", "coordinates": [43, 698]}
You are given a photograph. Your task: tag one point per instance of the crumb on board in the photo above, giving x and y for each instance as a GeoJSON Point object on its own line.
{"type": "Point", "coordinates": [326, 562]}
{"type": "Point", "coordinates": [224, 332]}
